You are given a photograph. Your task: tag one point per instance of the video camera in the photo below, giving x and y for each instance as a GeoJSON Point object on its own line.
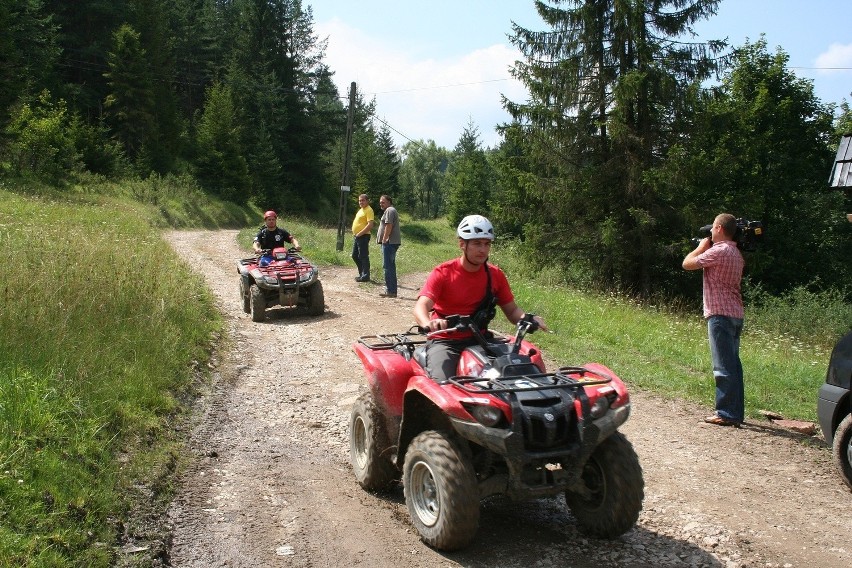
{"type": "Point", "coordinates": [747, 236]}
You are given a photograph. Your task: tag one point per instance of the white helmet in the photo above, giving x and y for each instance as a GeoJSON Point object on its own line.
{"type": "Point", "coordinates": [475, 227]}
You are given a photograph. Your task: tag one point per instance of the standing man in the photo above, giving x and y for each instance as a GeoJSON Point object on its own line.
{"type": "Point", "coordinates": [461, 286]}
{"type": "Point", "coordinates": [389, 239]}
{"type": "Point", "coordinates": [723, 263]}
{"type": "Point", "coordinates": [361, 227]}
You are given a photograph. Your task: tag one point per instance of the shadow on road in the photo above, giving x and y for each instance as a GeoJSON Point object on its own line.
{"type": "Point", "coordinates": [543, 533]}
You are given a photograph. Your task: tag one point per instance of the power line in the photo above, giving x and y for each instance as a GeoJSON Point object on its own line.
{"type": "Point", "coordinates": [822, 68]}
{"type": "Point", "coordinates": [397, 131]}
{"type": "Point", "coordinates": [440, 86]}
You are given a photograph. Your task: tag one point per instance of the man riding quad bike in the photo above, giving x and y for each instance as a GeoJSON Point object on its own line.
{"type": "Point", "coordinates": [501, 426]}
{"type": "Point", "coordinates": [280, 277]}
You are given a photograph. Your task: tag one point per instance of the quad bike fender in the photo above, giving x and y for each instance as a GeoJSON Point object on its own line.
{"type": "Point", "coordinates": [622, 398]}
{"type": "Point", "coordinates": [387, 375]}
{"type": "Point", "coordinates": [445, 397]}
{"type": "Point", "coordinates": [428, 405]}
{"type": "Point", "coordinates": [599, 429]}
{"type": "Point", "coordinates": [246, 279]}
{"type": "Point", "coordinates": [534, 354]}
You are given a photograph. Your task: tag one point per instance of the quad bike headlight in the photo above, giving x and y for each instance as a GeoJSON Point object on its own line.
{"type": "Point", "coordinates": [486, 415]}
{"type": "Point", "coordinates": [599, 408]}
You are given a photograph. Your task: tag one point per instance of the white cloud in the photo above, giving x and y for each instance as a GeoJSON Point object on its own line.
{"type": "Point", "coordinates": [837, 56]}
{"type": "Point", "coordinates": [424, 98]}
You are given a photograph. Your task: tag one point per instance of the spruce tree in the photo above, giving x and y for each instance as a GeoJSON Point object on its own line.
{"type": "Point", "coordinates": [608, 82]}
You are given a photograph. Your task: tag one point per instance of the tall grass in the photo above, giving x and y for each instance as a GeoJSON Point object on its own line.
{"type": "Point", "coordinates": [98, 326]}
{"type": "Point", "coordinates": [801, 315]}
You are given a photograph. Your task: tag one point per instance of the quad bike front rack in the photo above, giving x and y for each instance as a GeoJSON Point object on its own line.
{"type": "Point", "coordinates": [562, 378]}
{"type": "Point", "coordinates": [405, 341]}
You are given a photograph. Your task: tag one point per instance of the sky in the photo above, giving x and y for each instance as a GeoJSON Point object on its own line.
{"type": "Point", "coordinates": [436, 66]}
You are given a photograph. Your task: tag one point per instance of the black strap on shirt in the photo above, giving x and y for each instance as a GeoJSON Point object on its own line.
{"type": "Point", "coordinates": [487, 308]}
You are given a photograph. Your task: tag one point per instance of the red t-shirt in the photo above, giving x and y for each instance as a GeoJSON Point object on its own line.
{"type": "Point", "coordinates": [456, 291]}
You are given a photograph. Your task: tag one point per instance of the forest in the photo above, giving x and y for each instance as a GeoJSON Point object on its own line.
{"type": "Point", "coordinates": [631, 138]}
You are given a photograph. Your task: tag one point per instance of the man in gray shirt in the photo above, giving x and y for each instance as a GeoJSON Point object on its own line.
{"type": "Point", "coordinates": [389, 239]}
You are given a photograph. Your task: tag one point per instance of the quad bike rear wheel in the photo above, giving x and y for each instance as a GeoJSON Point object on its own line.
{"type": "Point", "coordinates": [369, 446]}
{"type": "Point", "coordinates": [841, 450]}
{"type": "Point", "coordinates": [316, 300]}
{"type": "Point", "coordinates": [257, 303]}
{"type": "Point", "coordinates": [615, 489]}
{"type": "Point", "coordinates": [244, 296]}
{"type": "Point", "coordinates": [441, 491]}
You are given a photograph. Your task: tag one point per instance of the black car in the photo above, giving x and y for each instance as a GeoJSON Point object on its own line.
{"type": "Point", "coordinates": [834, 406]}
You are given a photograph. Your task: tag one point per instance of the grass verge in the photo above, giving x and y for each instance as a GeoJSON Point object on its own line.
{"type": "Point", "coordinates": [100, 326]}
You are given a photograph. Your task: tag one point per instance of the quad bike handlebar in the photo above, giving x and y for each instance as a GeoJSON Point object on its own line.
{"type": "Point", "coordinates": [262, 252]}
{"type": "Point", "coordinates": [527, 324]}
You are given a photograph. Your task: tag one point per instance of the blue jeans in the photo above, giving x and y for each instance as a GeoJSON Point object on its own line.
{"type": "Point", "coordinates": [724, 333]}
{"type": "Point", "coordinates": [361, 255]}
{"type": "Point", "coordinates": [389, 264]}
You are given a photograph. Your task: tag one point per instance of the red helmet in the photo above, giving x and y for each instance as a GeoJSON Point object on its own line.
{"type": "Point", "coordinates": [270, 214]}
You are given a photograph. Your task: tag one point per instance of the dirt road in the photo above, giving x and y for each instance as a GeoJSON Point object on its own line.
{"type": "Point", "coordinates": [270, 483]}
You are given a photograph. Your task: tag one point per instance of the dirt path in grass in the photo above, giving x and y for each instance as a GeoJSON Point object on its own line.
{"type": "Point", "coordinates": [270, 482]}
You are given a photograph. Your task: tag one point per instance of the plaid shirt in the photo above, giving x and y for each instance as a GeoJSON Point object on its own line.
{"type": "Point", "coordinates": [723, 270]}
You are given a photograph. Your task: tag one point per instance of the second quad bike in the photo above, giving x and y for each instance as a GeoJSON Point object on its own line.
{"type": "Point", "coordinates": [502, 426]}
{"type": "Point", "coordinates": [279, 277]}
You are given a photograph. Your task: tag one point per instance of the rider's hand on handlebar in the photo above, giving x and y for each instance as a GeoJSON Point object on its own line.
{"type": "Point", "coordinates": [457, 323]}
{"type": "Point", "coordinates": [437, 324]}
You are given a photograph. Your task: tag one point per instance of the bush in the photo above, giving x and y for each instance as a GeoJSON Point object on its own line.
{"type": "Point", "coordinates": [819, 317]}
{"type": "Point", "coordinates": [41, 143]}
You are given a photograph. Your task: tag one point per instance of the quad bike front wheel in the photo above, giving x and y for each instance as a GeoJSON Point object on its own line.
{"type": "Point", "coordinates": [610, 504]}
{"type": "Point", "coordinates": [244, 297]}
{"type": "Point", "coordinates": [257, 303]}
{"type": "Point", "coordinates": [441, 491]}
{"type": "Point", "coordinates": [841, 450]}
{"type": "Point", "coordinates": [316, 300]}
{"type": "Point", "coordinates": [369, 446]}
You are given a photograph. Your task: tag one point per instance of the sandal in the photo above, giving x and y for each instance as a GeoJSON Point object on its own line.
{"type": "Point", "coordinates": [720, 421]}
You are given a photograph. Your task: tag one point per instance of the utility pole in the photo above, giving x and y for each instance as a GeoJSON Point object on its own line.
{"type": "Point", "coordinates": [345, 184]}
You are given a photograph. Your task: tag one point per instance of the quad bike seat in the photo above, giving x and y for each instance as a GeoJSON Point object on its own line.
{"type": "Point", "coordinates": [420, 355]}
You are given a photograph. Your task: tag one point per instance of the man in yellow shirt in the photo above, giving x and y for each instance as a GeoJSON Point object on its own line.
{"type": "Point", "coordinates": [361, 227]}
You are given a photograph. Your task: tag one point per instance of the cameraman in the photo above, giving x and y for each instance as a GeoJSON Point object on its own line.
{"type": "Point", "coordinates": [723, 263]}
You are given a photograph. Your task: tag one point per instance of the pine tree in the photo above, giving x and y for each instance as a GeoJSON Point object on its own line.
{"type": "Point", "coordinates": [131, 101]}
{"type": "Point", "coordinates": [275, 74]}
{"type": "Point", "coordinates": [390, 159]}
{"type": "Point", "coordinates": [469, 178]}
{"type": "Point", "coordinates": [608, 83]}
{"type": "Point", "coordinates": [28, 52]}
{"type": "Point", "coordinates": [221, 167]}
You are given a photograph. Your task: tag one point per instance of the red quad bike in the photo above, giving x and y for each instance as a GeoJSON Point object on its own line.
{"type": "Point", "coordinates": [280, 277]}
{"type": "Point", "coordinates": [503, 426]}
